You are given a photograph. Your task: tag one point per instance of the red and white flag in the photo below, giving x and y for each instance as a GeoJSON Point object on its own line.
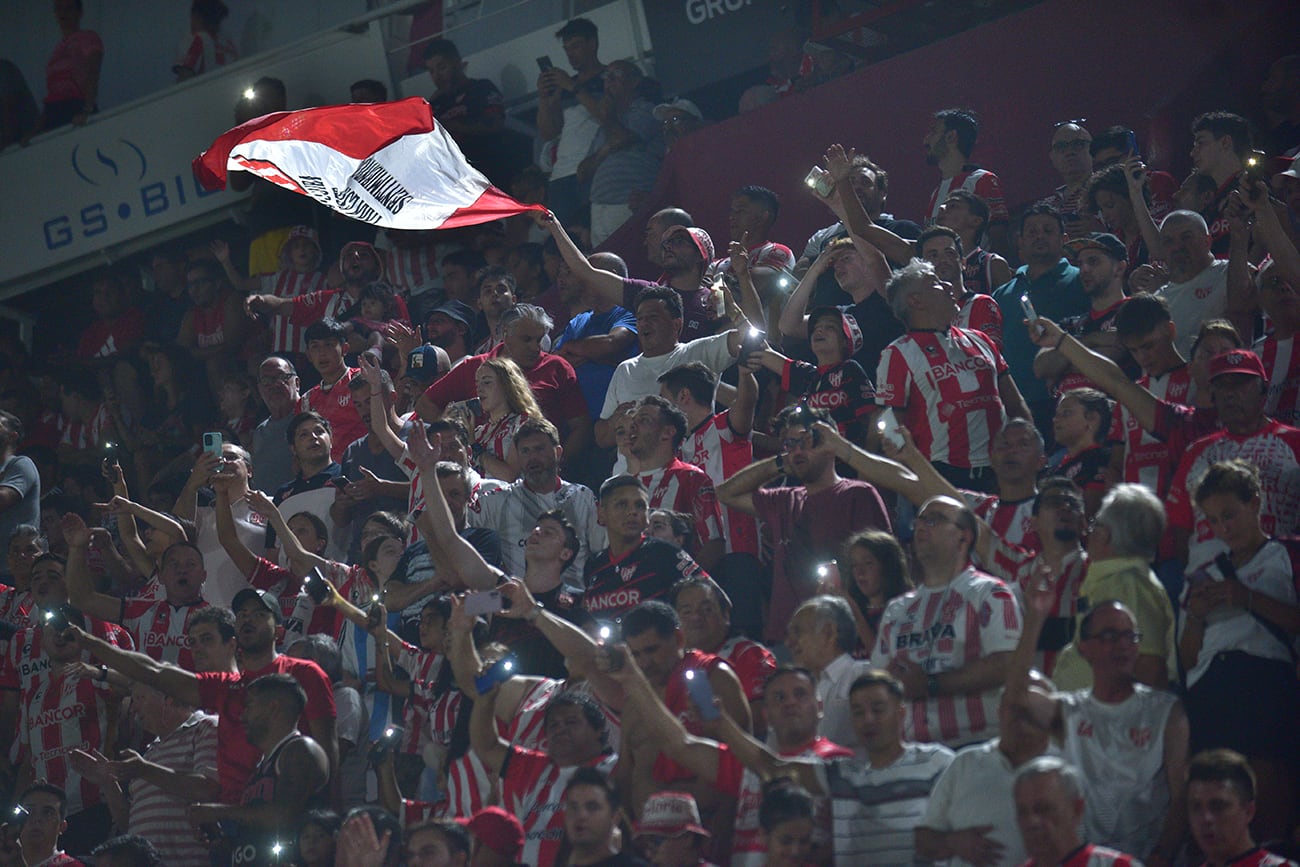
{"type": "Point", "coordinates": [388, 163]}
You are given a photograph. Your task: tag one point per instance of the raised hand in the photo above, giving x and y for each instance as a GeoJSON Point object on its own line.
{"type": "Point", "coordinates": [426, 454]}
{"type": "Point", "coordinates": [260, 503]}
{"type": "Point", "coordinates": [839, 162]}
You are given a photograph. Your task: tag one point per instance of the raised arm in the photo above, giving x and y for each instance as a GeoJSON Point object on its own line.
{"type": "Point", "coordinates": [81, 590]}
{"type": "Point", "coordinates": [170, 680]}
{"type": "Point", "coordinates": [1103, 372]}
{"type": "Point", "coordinates": [608, 284]}
{"type": "Point", "coordinates": [437, 526]}
{"type": "Point", "coordinates": [1135, 174]}
{"type": "Point", "coordinates": [738, 491]}
{"type": "Point", "coordinates": [875, 243]}
{"type": "Point", "coordinates": [794, 316]}
{"type": "Point", "coordinates": [245, 560]}
{"type": "Point", "coordinates": [492, 750]}
{"type": "Point", "coordinates": [187, 501]}
{"type": "Point", "coordinates": [748, 301]}
{"type": "Point", "coordinates": [244, 285]}
{"type": "Point", "coordinates": [302, 560]}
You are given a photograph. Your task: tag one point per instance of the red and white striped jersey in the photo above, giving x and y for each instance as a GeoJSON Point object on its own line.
{"type": "Point", "coordinates": [59, 715]}
{"type": "Point", "coordinates": [527, 728]}
{"type": "Point", "coordinates": [159, 628]}
{"type": "Point", "coordinates": [497, 438]}
{"type": "Point", "coordinates": [769, 254]}
{"type": "Point", "coordinates": [752, 662]}
{"type": "Point", "coordinates": [84, 436]}
{"type": "Point", "coordinates": [946, 385]}
{"type": "Point", "coordinates": [159, 815]}
{"type": "Point", "coordinates": [1016, 567]}
{"type": "Point", "coordinates": [16, 605]}
{"type": "Point", "coordinates": [1282, 362]}
{"type": "Point", "coordinates": [532, 788]}
{"type": "Point", "coordinates": [423, 667]}
{"type": "Point", "coordinates": [944, 629]}
{"type": "Point", "coordinates": [24, 662]}
{"type": "Point", "coordinates": [715, 448]}
{"type": "Point", "coordinates": [981, 313]}
{"type": "Point", "coordinates": [683, 487]}
{"type": "Point", "coordinates": [1274, 450]}
{"type": "Point", "coordinates": [1149, 460]}
{"type": "Point", "coordinates": [972, 179]}
{"type": "Point", "coordinates": [1255, 858]}
{"type": "Point", "coordinates": [412, 269]}
{"type": "Point", "coordinates": [747, 846]}
{"type": "Point", "coordinates": [1099, 856]}
{"type": "Point", "coordinates": [468, 781]}
{"type": "Point", "coordinates": [286, 336]}
{"type": "Point", "coordinates": [1012, 520]}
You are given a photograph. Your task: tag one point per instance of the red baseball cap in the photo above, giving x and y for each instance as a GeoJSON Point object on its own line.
{"type": "Point", "coordinates": [498, 830]}
{"type": "Point", "coordinates": [1236, 361]}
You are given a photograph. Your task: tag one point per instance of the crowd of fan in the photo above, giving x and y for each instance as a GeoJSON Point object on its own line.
{"type": "Point", "coordinates": [495, 548]}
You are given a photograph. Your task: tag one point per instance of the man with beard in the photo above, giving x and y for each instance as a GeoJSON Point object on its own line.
{"type": "Point", "coordinates": [290, 777]}
{"type": "Point", "coordinates": [513, 511]}
{"type": "Point", "coordinates": [495, 287]}
{"type": "Point", "coordinates": [808, 520]}
{"type": "Point", "coordinates": [948, 145]}
{"type": "Point", "coordinates": [359, 266]}
{"type": "Point", "coordinates": [449, 326]}
{"type": "Point", "coordinates": [1102, 261]}
{"type": "Point", "coordinates": [257, 617]}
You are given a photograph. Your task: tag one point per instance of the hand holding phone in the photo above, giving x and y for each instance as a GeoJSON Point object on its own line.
{"type": "Point", "coordinates": [1027, 306]}
{"type": "Point", "coordinates": [701, 692]}
{"type": "Point", "coordinates": [501, 671]}
{"type": "Point", "coordinates": [482, 602]}
{"type": "Point", "coordinates": [212, 443]}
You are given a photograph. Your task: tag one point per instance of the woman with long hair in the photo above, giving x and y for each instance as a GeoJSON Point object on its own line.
{"type": "Point", "coordinates": [505, 400]}
{"type": "Point", "coordinates": [877, 573]}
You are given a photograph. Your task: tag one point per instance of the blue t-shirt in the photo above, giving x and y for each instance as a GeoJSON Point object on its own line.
{"type": "Point", "coordinates": [593, 376]}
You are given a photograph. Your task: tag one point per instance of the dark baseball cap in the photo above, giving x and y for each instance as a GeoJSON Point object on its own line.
{"type": "Point", "coordinates": [422, 364]}
{"type": "Point", "coordinates": [457, 311]}
{"type": "Point", "coordinates": [1103, 241]}
{"type": "Point", "coordinates": [272, 604]}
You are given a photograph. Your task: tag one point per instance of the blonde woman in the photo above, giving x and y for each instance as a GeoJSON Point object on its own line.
{"type": "Point", "coordinates": [504, 401]}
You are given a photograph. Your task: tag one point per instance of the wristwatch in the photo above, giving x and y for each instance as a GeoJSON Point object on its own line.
{"type": "Point", "coordinates": [536, 612]}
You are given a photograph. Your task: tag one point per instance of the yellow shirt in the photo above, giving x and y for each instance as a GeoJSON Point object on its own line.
{"type": "Point", "coordinates": [1130, 581]}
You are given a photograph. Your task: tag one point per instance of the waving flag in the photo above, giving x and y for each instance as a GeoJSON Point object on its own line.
{"type": "Point", "coordinates": [388, 163]}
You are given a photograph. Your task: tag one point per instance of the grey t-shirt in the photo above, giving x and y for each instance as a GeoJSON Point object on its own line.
{"type": "Point", "coordinates": [19, 473]}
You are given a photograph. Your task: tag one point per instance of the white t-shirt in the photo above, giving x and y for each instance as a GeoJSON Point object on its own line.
{"type": "Point", "coordinates": [1203, 297]}
{"type": "Point", "coordinates": [638, 377]}
{"type": "Point", "coordinates": [224, 578]}
{"type": "Point", "coordinates": [976, 791]}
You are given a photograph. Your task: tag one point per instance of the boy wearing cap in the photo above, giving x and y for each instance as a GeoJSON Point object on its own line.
{"type": "Point", "coordinates": [670, 831]}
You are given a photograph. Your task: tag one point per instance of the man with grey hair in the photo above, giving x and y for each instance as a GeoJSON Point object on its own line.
{"type": "Point", "coordinates": [1049, 810]}
{"type": "Point", "coordinates": [949, 386]}
{"type": "Point", "coordinates": [1124, 540]}
{"type": "Point", "coordinates": [552, 379]}
{"type": "Point", "coordinates": [949, 641]}
{"type": "Point", "coordinates": [1199, 285]}
{"type": "Point", "coordinates": [820, 637]}
{"type": "Point", "coordinates": [277, 385]}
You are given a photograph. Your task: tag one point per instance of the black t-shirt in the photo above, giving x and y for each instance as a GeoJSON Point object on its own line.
{"type": "Point", "coordinates": [536, 655]}
{"type": "Point", "coordinates": [648, 571]}
{"type": "Point", "coordinates": [880, 327]}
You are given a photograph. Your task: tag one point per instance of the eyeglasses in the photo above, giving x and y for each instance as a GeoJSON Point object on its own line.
{"type": "Point", "coordinates": [1077, 121]}
{"type": "Point", "coordinates": [934, 519]}
{"type": "Point", "coordinates": [1114, 636]}
{"type": "Point", "coordinates": [1076, 144]}
{"type": "Point", "coordinates": [275, 380]}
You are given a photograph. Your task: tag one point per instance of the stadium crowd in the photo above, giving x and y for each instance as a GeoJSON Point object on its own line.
{"type": "Point", "coordinates": [958, 539]}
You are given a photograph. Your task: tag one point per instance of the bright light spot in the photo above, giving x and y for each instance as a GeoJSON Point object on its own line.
{"type": "Point", "coordinates": [249, 93]}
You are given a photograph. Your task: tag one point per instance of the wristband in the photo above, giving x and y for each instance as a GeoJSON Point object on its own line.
{"type": "Point", "coordinates": [103, 674]}
{"type": "Point", "coordinates": [536, 612]}
{"type": "Point", "coordinates": [1060, 340]}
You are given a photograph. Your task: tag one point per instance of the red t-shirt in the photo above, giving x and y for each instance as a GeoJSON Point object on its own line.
{"type": "Point", "coordinates": [335, 403]}
{"type": "Point", "coordinates": [222, 693]}
{"type": "Point", "coordinates": [106, 338]}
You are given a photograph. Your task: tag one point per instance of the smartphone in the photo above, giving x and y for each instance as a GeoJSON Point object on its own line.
{"type": "Point", "coordinates": [820, 180]}
{"type": "Point", "coordinates": [341, 482]}
{"type": "Point", "coordinates": [544, 63]}
{"type": "Point", "coordinates": [212, 443]}
{"type": "Point", "coordinates": [751, 343]}
{"type": "Point", "coordinates": [701, 692]}
{"type": "Point", "coordinates": [385, 744]}
{"type": "Point", "coordinates": [110, 454]}
{"type": "Point", "coordinates": [1031, 314]}
{"type": "Point", "coordinates": [1256, 165]}
{"type": "Point", "coordinates": [17, 817]}
{"type": "Point", "coordinates": [316, 586]}
{"type": "Point", "coordinates": [1132, 143]}
{"type": "Point", "coordinates": [805, 417]}
{"type": "Point", "coordinates": [57, 619]}
{"type": "Point", "coordinates": [617, 658]}
{"type": "Point", "coordinates": [484, 602]}
{"type": "Point", "coordinates": [501, 671]}
{"type": "Point", "coordinates": [474, 406]}
{"type": "Point", "coordinates": [888, 426]}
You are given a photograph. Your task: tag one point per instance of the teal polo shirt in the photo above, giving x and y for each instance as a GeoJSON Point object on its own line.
{"type": "Point", "coordinates": [1056, 294]}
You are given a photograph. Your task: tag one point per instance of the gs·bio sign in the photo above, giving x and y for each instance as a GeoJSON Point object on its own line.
{"type": "Point", "coordinates": [118, 190]}
{"type": "Point", "coordinates": [725, 37]}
